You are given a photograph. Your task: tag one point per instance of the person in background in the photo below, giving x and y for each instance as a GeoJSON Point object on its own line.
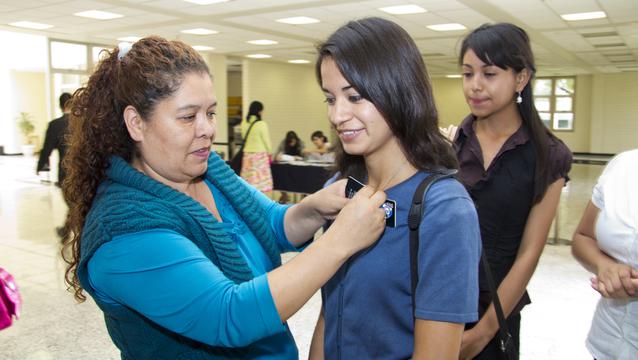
{"type": "Point", "coordinates": [323, 149]}
{"type": "Point", "coordinates": [291, 146]}
{"type": "Point", "coordinates": [255, 167]}
{"type": "Point", "coordinates": [513, 168]}
{"type": "Point", "coordinates": [55, 138]}
{"type": "Point", "coordinates": [290, 149]}
{"type": "Point", "coordinates": [182, 255]}
{"type": "Point", "coordinates": [606, 243]}
{"type": "Point", "coordinates": [381, 105]}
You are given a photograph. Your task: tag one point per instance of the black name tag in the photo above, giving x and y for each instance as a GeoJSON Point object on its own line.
{"type": "Point", "coordinates": [389, 206]}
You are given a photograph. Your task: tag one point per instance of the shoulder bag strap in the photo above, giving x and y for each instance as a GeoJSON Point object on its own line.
{"type": "Point", "coordinates": [246, 137]}
{"type": "Point", "coordinates": [417, 209]}
{"type": "Point", "coordinates": [503, 329]}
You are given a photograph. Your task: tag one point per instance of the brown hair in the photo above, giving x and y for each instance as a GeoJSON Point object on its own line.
{"type": "Point", "coordinates": [381, 61]}
{"type": "Point", "coordinates": [151, 71]}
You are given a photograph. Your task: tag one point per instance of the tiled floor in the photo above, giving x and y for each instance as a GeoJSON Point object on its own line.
{"type": "Point", "coordinates": [53, 326]}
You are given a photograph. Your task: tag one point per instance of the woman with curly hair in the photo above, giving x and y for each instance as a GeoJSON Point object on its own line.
{"type": "Point", "coordinates": [181, 255]}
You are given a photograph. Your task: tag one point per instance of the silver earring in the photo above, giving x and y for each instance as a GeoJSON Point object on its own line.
{"type": "Point", "coordinates": [519, 99]}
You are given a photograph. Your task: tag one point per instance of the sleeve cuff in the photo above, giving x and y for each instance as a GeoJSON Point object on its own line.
{"type": "Point", "coordinates": [269, 316]}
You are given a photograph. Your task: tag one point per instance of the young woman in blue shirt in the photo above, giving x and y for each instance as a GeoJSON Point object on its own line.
{"type": "Point", "coordinates": [381, 106]}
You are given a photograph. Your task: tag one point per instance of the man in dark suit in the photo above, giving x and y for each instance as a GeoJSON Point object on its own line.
{"type": "Point", "coordinates": [54, 138]}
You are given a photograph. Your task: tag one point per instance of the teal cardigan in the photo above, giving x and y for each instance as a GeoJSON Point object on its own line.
{"type": "Point", "coordinates": [128, 201]}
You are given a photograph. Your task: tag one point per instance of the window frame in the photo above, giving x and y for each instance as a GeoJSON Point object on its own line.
{"type": "Point", "coordinates": [552, 97]}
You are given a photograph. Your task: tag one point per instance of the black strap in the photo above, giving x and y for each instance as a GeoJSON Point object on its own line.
{"type": "Point", "coordinates": [503, 329]}
{"type": "Point", "coordinates": [417, 209]}
{"type": "Point", "coordinates": [246, 137]}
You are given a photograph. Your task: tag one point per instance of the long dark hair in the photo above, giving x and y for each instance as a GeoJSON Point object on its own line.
{"type": "Point", "coordinates": [289, 148]}
{"type": "Point", "coordinates": [382, 63]}
{"type": "Point", "coordinates": [508, 47]}
{"type": "Point", "coordinates": [255, 109]}
{"type": "Point", "coordinates": [152, 70]}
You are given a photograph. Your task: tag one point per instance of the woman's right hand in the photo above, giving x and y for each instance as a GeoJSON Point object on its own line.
{"type": "Point", "coordinates": [360, 222]}
{"type": "Point", "coordinates": [615, 280]}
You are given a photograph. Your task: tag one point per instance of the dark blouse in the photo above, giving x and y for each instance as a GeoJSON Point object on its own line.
{"type": "Point", "coordinates": [503, 194]}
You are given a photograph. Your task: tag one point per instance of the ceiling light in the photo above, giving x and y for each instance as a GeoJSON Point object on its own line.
{"type": "Point", "coordinates": [454, 76]}
{"type": "Point", "coordinates": [199, 31]}
{"type": "Point", "coordinates": [203, 48]}
{"type": "Point", "coordinates": [584, 16]}
{"type": "Point", "coordinates": [258, 56]}
{"type": "Point", "coordinates": [206, 2]}
{"type": "Point", "coordinates": [131, 39]}
{"type": "Point", "coordinates": [262, 42]}
{"type": "Point", "coordinates": [403, 9]}
{"type": "Point", "coordinates": [31, 25]}
{"type": "Point", "coordinates": [446, 27]}
{"type": "Point", "coordinates": [298, 20]}
{"type": "Point", "coordinates": [299, 61]}
{"type": "Point", "coordinates": [99, 15]}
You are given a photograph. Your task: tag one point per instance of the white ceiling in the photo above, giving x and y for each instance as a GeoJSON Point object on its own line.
{"type": "Point", "coordinates": [562, 48]}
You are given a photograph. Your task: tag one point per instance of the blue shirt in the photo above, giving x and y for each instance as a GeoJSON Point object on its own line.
{"type": "Point", "coordinates": [367, 304]}
{"type": "Point", "coordinates": [137, 269]}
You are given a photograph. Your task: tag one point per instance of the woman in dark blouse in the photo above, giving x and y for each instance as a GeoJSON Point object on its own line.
{"type": "Point", "coordinates": [513, 168]}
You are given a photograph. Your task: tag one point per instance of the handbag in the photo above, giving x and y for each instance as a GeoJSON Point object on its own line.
{"type": "Point", "coordinates": [236, 162]}
{"type": "Point", "coordinates": [506, 344]}
{"type": "Point", "coordinates": [10, 299]}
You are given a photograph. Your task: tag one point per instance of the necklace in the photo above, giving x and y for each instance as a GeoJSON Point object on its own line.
{"type": "Point", "coordinates": [393, 176]}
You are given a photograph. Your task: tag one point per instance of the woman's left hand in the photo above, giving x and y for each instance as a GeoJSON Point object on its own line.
{"type": "Point", "coordinates": [473, 343]}
{"type": "Point", "coordinates": [328, 201]}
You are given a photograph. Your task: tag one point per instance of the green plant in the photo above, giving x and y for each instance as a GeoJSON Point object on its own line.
{"type": "Point", "coordinates": [25, 123]}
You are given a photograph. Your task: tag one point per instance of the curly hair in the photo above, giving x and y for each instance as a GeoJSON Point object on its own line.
{"type": "Point", "coordinates": [151, 71]}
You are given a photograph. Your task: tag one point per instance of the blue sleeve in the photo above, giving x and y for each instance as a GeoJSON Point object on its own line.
{"type": "Point", "coordinates": [166, 278]}
{"type": "Point", "coordinates": [275, 212]}
{"type": "Point", "coordinates": [449, 253]}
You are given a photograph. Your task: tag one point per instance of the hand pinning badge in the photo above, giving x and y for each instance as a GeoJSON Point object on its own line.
{"type": "Point", "coordinates": [389, 206]}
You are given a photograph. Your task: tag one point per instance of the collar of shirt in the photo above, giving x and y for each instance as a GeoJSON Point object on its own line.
{"type": "Point", "coordinates": [468, 151]}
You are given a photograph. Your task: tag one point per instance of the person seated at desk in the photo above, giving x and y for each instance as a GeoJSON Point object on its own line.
{"type": "Point", "coordinates": [323, 150]}
{"type": "Point", "coordinates": [290, 148]}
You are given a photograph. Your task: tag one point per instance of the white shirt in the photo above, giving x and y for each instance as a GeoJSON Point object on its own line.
{"type": "Point", "coordinates": [614, 330]}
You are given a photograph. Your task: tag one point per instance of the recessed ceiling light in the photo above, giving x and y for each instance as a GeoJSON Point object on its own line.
{"type": "Point", "coordinates": [584, 16]}
{"type": "Point", "coordinates": [258, 56]}
{"type": "Point", "coordinates": [262, 42]}
{"type": "Point", "coordinates": [454, 76]}
{"type": "Point", "coordinates": [99, 15]}
{"type": "Point", "coordinates": [403, 9]}
{"type": "Point", "coordinates": [30, 25]}
{"type": "Point", "coordinates": [206, 2]}
{"type": "Point", "coordinates": [446, 27]}
{"type": "Point", "coordinates": [131, 39]}
{"type": "Point", "coordinates": [299, 61]}
{"type": "Point", "coordinates": [203, 48]}
{"type": "Point", "coordinates": [199, 31]}
{"type": "Point", "coordinates": [298, 20]}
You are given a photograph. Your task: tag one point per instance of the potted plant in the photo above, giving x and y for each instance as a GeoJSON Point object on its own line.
{"type": "Point", "coordinates": [25, 124]}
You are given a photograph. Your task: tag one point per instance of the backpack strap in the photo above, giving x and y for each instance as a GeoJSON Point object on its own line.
{"type": "Point", "coordinates": [417, 209]}
{"type": "Point", "coordinates": [503, 329]}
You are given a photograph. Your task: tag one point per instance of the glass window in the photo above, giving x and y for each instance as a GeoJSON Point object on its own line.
{"type": "Point", "coordinates": [563, 104]}
{"type": "Point", "coordinates": [556, 102]}
{"type": "Point", "coordinates": [543, 87]}
{"type": "Point", "coordinates": [542, 103]}
{"type": "Point", "coordinates": [564, 121]}
{"type": "Point", "coordinates": [564, 87]}
{"type": "Point", "coordinates": [66, 83]}
{"type": "Point", "coordinates": [68, 56]}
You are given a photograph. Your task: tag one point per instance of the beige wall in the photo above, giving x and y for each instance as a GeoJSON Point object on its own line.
{"type": "Point", "coordinates": [450, 102]}
{"type": "Point", "coordinates": [28, 90]}
{"type": "Point", "coordinates": [234, 83]}
{"type": "Point", "coordinates": [217, 66]}
{"type": "Point", "coordinates": [614, 120]}
{"type": "Point", "coordinates": [291, 97]}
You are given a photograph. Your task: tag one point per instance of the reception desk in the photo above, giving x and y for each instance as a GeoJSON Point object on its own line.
{"type": "Point", "coordinates": [299, 177]}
